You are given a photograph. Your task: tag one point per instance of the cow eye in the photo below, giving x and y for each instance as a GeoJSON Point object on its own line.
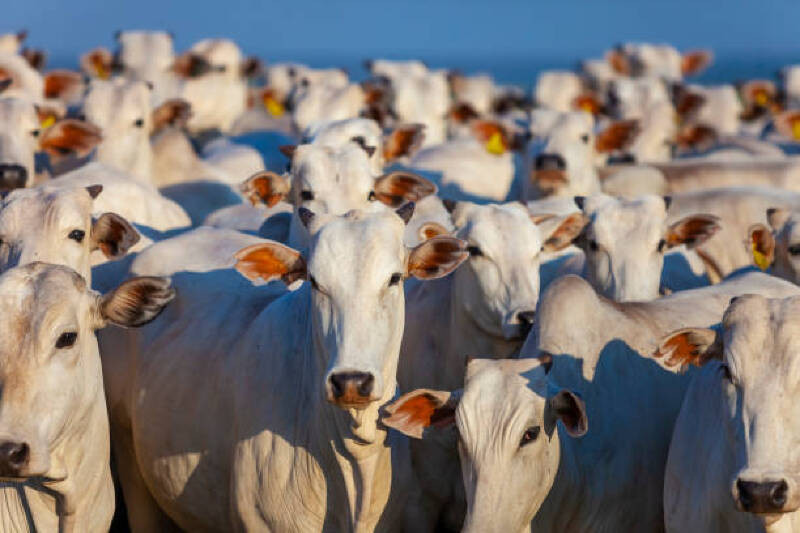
{"type": "Point", "coordinates": [66, 339]}
{"type": "Point", "coordinates": [306, 196]}
{"type": "Point", "coordinates": [661, 244]}
{"type": "Point", "coordinates": [313, 282]}
{"type": "Point", "coordinates": [530, 435]}
{"type": "Point", "coordinates": [474, 251]}
{"type": "Point", "coordinates": [395, 279]}
{"type": "Point", "coordinates": [371, 196]}
{"type": "Point", "coordinates": [139, 122]}
{"type": "Point", "coordinates": [593, 246]}
{"type": "Point", "coordinates": [35, 133]}
{"type": "Point", "coordinates": [77, 235]}
{"type": "Point", "coordinates": [726, 372]}
{"type": "Point", "coordinates": [794, 249]}
{"type": "Point", "coordinates": [585, 138]}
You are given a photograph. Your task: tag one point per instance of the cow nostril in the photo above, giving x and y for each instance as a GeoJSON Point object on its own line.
{"type": "Point", "coordinates": [352, 384]}
{"type": "Point", "coordinates": [337, 385]}
{"type": "Point", "coordinates": [745, 498]}
{"type": "Point", "coordinates": [526, 317]}
{"type": "Point", "coordinates": [365, 387]}
{"type": "Point", "coordinates": [549, 162]}
{"type": "Point", "coordinates": [778, 494]}
{"type": "Point", "coordinates": [14, 454]}
{"type": "Point", "coordinates": [13, 177]}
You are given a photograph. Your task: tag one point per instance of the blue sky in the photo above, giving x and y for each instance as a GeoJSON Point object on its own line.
{"type": "Point", "coordinates": [489, 34]}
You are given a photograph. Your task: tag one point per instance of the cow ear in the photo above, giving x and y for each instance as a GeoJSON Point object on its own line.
{"type": "Point", "coordinates": [113, 235]}
{"type": "Point", "coordinates": [265, 187]}
{"type": "Point", "coordinates": [616, 136]}
{"type": "Point", "coordinates": [430, 230]}
{"type": "Point", "coordinates": [692, 231]}
{"type": "Point", "coordinates": [412, 413]}
{"type": "Point", "coordinates": [174, 112]}
{"type": "Point", "coordinates": [397, 188]}
{"type": "Point", "coordinates": [762, 245]}
{"type": "Point", "coordinates": [271, 261]}
{"type": "Point", "coordinates": [567, 231]}
{"type": "Point", "coordinates": [618, 61]}
{"type": "Point", "coordinates": [69, 136]}
{"type": "Point", "coordinates": [135, 303]}
{"type": "Point", "coordinates": [61, 83]}
{"type": "Point", "coordinates": [403, 141]}
{"type": "Point", "coordinates": [436, 257]}
{"type": "Point", "coordinates": [696, 137]}
{"type": "Point", "coordinates": [570, 409]}
{"type": "Point", "coordinates": [48, 115]}
{"type": "Point", "coordinates": [251, 67]}
{"type": "Point", "coordinates": [687, 346]}
{"type": "Point", "coordinates": [788, 124]}
{"type": "Point", "coordinates": [97, 63]}
{"type": "Point", "coordinates": [492, 135]}
{"type": "Point", "coordinates": [696, 61]}
{"type": "Point", "coordinates": [191, 65]}
{"type": "Point", "coordinates": [36, 58]}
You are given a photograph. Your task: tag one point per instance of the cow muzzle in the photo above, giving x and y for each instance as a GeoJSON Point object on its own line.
{"type": "Point", "coordinates": [765, 496]}
{"type": "Point", "coordinates": [14, 459]}
{"type": "Point", "coordinates": [351, 389]}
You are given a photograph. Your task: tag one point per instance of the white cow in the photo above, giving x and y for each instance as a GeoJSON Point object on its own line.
{"type": "Point", "coordinates": [612, 479]}
{"type": "Point", "coordinates": [486, 306]}
{"type": "Point", "coordinates": [732, 464]}
{"type": "Point", "coordinates": [778, 246]}
{"type": "Point", "coordinates": [54, 443]}
{"type": "Point", "coordinates": [558, 90]}
{"type": "Point", "coordinates": [326, 353]}
{"type": "Point", "coordinates": [657, 60]}
{"type": "Point", "coordinates": [10, 42]}
{"type": "Point", "coordinates": [506, 418]}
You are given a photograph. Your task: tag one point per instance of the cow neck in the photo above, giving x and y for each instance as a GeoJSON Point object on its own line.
{"type": "Point", "coordinates": [351, 437]}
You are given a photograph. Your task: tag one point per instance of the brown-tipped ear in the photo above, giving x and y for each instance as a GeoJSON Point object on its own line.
{"type": "Point", "coordinates": [436, 257]}
{"type": "Point", "coordinates": [430, 230]}
{"type": "Point", "coordinates": [758, 93]}
{"type": "Point", "coordinates": [267, 98]}
{"type": "Point", "coordinates": [412, 413]}
{"type": "Point", "coordinates": [696, 61]}
{"type": "Point", "coordinates": [265, 187]}
{"type": "Point", "coordinates": [492, 135]}
{"type": "Point", "coordinates": [97, 63]}
{"type": "Point", "coordinates": [686, 346]}
{"type": "Point", "coordinates": [174, 112]}
{"type": "Point", "coordinates": [570, 409]}
{"type": "Point", "coordinates": [538, 218]}
{"type": "Point", "coordinates": [48, 115]}
{"type": "Point", "coordinates": [617, 135]}
{"type": "Point", "coordinates": [692, 231]}
{"type": "Point", "coordinates": [288, 150]}
{"type": "Point", "coordinates": [271, 261]}
{"type": "Point", "coordinates": [762, 245]}
{"type": "Point", "coordinates": [618, 61]}
{"type": "Point", "coordinates": [566, 232]}
{"type": "Point", "coordinates": [396, 188]}
{"type": "Point", "coordinates": [70, 136]}
{"type": "Point", "coordinates": [21, 36]}
{"type": "Point", "coordinates": [403, 141]}
{"type": "Point", "coordinates": [788, 124]}
{"type": "Point", "coordinates": [113, 235]}
{"type": "Point", "coordinates": [588, 102]}
{"type": "Point", "coordinates": [35, 57]}
{"type": "Point", "coordinates": [62, 83]}
{"type": "Point", "coordinates": [136, 302]}
{"type": "Point", "coordinates": [696, 137]}
{"type": "Point", "coordinates": [777, 217]}
{"type": "Point", "coordinates": [251, 67]}
{"type": "Point", "coordinates": [191, 65]}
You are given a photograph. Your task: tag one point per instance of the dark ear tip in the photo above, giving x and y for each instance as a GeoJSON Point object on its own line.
{"type": "Point", "coordinates": [579, 201]}
{"type": "Point", "coordinates": [449, 204]}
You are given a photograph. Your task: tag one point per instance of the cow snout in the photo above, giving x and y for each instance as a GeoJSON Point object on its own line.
{"type": "Point", "coordinates": [14, 457]}
{"type": "Point", "coordinates": [518, 324]}
{"type": "Point", "coordinates": [762, 496]}
{"type": "Point", "coordinates": [550, 162]}
{"type": "Point", "coordinates": [622, 159]}
{"type": "Point", "coordinates": [13, 177]}
{"type": "Point", "coordinates": [351, 389]}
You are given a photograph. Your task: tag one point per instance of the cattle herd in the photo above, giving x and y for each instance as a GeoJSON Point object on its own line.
{"type": "Point", "coordinates": [239, 296]}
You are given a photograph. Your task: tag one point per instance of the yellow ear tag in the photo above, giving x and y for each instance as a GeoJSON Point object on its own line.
{"type": "Point", "coordinates": [273, 107]}
{"type": "Point", "coordinates": [761, 98]}
{"type": "Point", "coordinates": [796, 130]}
{"type": "Point", "coordinates": [588, 107]}
{"type": "Point", "coordinates": [48, 121]}
{"type": "Point", "coordinates": [495, 144]}
{"type": "Point", "coordinates": [759, 258]}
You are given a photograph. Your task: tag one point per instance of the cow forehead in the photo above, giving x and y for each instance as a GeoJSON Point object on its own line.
{"type": "Point", "coordinates": [322, 167]}
{"type": "Point", "coordinates": [219, 51]}
{"type": "Point", "coordinates": [16, 112]}
{"type": "Point", "coordinates": [64, 207]}
{"type": "Point", "coordinates": [358, 242]}
{"type": "Point", "coordinates": [500, 227]}
{"type": "Point", "coordinates": [614, 219]}
{"type": "Point", "coordinates": [108, 99]}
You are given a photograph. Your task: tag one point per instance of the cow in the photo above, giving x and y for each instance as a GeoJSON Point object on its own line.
{"type": "Point", "coordinates": [54, 431]}
{"type": "Point", "coordinates": [731, 464]}
{"type": "Point", "coordinates": [612, 479]}
{"type": "Point", "coordinates": [557, 90]}
{"type": "Point", "coordinates": [509, 444]}
{"type": "Point", "coordinates": [486, 306]}
{"type": "Point", "coordinates": [657, 60]}
{"type": "Point", "coordinates": [326, 352]}
{"type": "Point", "coordinates": [776, 247]}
